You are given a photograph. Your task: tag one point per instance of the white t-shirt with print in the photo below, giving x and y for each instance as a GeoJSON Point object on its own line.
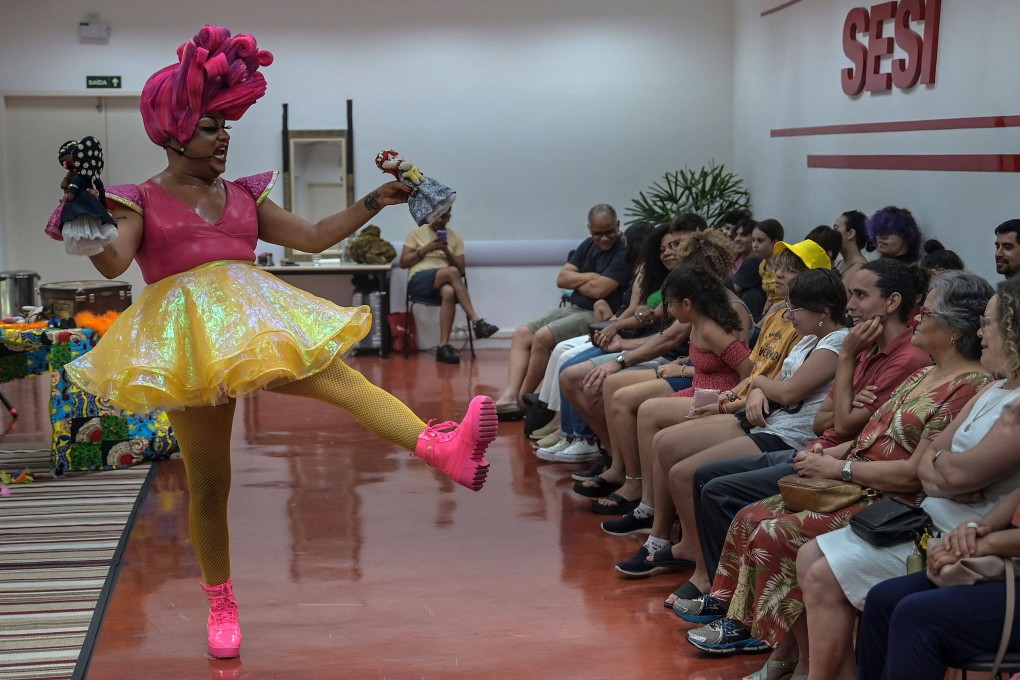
{"type": "Point", "coordinates": [795, 428]}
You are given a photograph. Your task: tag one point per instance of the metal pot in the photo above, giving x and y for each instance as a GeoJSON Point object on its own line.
{"type": "Point", "coordinates": [17, 290]}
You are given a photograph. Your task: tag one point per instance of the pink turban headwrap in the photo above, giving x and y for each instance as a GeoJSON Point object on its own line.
{"type": "Point", "coordinates": [215, 72]}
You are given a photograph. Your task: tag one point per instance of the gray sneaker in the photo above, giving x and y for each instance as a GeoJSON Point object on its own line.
{"type": "Point", "coordinates": [725, 637]}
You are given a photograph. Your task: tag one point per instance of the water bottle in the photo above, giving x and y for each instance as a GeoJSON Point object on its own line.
{"type": "Point", "coordinates": [915, 562]}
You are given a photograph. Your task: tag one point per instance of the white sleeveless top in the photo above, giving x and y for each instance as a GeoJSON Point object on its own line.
{"type": "Point", "coordinates": [947, 514]}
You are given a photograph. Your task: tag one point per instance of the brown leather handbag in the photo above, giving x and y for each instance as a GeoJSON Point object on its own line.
{"type": "Point", "coordinates": [817, 494]}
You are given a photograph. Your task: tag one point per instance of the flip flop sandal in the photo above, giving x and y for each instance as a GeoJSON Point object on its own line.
{"type": "Point", "coordinates": [664, 558]}
{"type": "Point", "coordinates": [601, 489]}
{"type": "Point", "coordinates": [622, 507]}
{"type": "Point", "coordinates": [687, 591]}
{"type": "Point", "coordinates": [776, 665]}
{"type": "Point", "coordinates": [597, 468]}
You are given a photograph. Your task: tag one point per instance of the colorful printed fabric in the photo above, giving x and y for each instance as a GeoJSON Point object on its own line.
{"type": "Point", "coordinates": [33, 352]}
{"type": "Point", "coordinates": [757, 571]}
{"type": "Point", "coordinates": [88, 432]}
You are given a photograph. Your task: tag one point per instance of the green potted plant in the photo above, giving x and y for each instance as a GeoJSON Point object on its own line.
{"type": "Point", "coordinates": [710, 192]}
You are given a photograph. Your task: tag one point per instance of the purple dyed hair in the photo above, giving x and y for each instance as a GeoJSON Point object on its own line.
{"type": "Point", "coordinates": [893, 220]}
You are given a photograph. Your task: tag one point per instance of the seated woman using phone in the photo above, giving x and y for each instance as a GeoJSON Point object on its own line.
{"type": "Point", "coordinates": [434, 256]}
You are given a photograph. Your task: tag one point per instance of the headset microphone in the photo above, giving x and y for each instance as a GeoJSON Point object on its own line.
{"type": "Point", "coordinates": [180, 152]}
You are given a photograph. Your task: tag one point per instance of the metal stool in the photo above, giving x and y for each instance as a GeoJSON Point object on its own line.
{"type": "Point", "coordinates": [984, 662]}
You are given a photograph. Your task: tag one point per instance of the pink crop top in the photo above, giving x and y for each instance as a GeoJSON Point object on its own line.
{"type": "Point", "coordinates": [176, 239]}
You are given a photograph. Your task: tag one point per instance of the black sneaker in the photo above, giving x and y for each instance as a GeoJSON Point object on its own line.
{"type": "Point", "coordinates": [638, 566]}
{"type": "Point", "coordinates": [447, 355]}
{"type": "Point", "coordinates": [627, 525]}
{"type": "Point", "coordinates": [483, 329]}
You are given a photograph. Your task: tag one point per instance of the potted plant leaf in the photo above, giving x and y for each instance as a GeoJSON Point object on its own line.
{"type": "Point", "coordinates": [709, 191]}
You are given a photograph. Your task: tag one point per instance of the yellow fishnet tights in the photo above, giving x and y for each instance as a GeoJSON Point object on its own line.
{"type": "Point", "coordinates": [204, 437]}
{"type": "Point", "coordinates": [203, 434]}
{"type": "Point", "coordinates": [378, 410]}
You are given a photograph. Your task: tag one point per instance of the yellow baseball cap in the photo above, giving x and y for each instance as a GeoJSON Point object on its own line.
{"type": "Point", "coordinates": [809, 252]}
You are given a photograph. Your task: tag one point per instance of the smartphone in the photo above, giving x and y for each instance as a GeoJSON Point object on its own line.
{"type": "Point", "coordinates": [441, 234]}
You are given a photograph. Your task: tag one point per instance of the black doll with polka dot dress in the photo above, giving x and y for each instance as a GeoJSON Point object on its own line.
{"type": "Point", "coordinates": [86, 223]}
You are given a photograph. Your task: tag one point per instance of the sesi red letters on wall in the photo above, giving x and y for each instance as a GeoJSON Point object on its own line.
{"type": "Point", "coordinates": [871, 35]}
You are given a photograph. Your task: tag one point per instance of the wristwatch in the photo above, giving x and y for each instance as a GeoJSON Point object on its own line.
{"type": "Point", "coordinates": [620, 360]}
{"type": "Point", "coordinates": [846, 474]}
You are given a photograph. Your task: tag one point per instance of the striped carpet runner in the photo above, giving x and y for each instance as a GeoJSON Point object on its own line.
{"type": "Point", "coordinates": [59, 540]}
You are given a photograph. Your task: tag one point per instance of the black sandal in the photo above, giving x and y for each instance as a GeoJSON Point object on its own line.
{"type": "Point", "coordinates": [596, 469]}
{"type": "Point", "coordinates": [622, 507]}
{"type": "Point", "coordinates": [601, 489]}
{"type": "Point", "coordinates": [687, 591]}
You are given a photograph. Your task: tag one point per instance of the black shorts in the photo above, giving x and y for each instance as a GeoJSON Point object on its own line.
{"type": "Point", "coordinates": [769, 442]}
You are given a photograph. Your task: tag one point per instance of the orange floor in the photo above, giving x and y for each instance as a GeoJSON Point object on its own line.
{"type": "Point", "coordinates": [352, 559]}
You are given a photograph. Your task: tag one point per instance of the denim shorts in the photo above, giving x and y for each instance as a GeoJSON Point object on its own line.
{"type": "Point", "coordinates": [421, 287]}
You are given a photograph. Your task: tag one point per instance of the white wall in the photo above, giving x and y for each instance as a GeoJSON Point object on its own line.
{"type": "Point", "coordinates": [533, 111]}
{"type": "Point", "coordinates": [787, 74]}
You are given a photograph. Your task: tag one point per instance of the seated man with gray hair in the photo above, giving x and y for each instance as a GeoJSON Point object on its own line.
{"type": "Point", "coordinates": [596, 270]}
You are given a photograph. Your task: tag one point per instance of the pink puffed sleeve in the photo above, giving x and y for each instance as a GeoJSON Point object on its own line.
{"type": "Point", "coordinates": [128, 195]}
{"type": "Point", "coordinates": [259, 185]}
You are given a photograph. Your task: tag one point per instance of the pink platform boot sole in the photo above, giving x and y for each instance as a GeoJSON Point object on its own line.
{"type": "Point", "coordinates": [223, 627]}
{"type": "Point", "coordinates": [460, 452]}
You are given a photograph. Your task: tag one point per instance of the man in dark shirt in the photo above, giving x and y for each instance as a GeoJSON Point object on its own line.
{"type": "Point", "coordinates": [597, 270]}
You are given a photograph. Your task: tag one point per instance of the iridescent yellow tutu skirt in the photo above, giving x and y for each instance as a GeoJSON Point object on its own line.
{"type": "Point", "coordinates": [220, 330]}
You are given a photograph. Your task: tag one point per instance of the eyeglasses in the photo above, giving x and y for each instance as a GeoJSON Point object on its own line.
{"type": "Point", "coordinates": [987, 321]}
{"type": "Point", "coordinates": [790, 309]}
{"type": "Point", "coordinates": [604, 234]}
{"type": "Point", "coordinates": [925, 313]}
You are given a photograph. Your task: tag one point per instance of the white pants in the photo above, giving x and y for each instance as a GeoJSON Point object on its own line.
{"type": "Point", "coordinates": [550, 390]}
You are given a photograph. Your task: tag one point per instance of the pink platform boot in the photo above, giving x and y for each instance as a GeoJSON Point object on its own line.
{"type": "Point", "coordinates": [460, 452]}
{"type": "Point", "coordinates": [224, 629]}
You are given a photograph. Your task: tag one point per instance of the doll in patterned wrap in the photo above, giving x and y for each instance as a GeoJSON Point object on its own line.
{"type": "Point", "coordinates": [429, 198]}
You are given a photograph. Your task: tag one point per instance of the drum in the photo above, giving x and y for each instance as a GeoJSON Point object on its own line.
{"type": "Point", "coordinates": [17, 290]}
{"type": "Point", "coordinates": [67, 298]}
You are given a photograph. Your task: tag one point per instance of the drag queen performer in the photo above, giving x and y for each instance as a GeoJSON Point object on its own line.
{"type": "Point", "coordinates": [211, 327]}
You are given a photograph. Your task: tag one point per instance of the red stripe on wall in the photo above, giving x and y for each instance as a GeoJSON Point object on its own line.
{"type": "Point", "coordinates": [945, 163]}
{"type": "Point", "coordinates": [902, 126]}
{"type": "Point", "coordinates": [779, 7]}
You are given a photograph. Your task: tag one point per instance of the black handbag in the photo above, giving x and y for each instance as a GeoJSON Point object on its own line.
{"type": "Point", "coordinates": [890, 521]}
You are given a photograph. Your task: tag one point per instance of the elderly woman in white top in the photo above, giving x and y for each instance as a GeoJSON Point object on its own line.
{"type": "Point", "coordinates": [973, 464]}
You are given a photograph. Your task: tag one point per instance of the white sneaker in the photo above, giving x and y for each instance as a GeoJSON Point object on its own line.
{"type": "Point", "coordinates": [548, 453]}
{"type": "Point", "coordinates": [580, 451]}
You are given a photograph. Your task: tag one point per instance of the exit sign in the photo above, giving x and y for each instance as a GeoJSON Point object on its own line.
{"type": "Point", "coordinates": [107, 82]}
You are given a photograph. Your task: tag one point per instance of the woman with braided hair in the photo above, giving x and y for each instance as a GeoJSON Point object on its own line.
{"type": "Point", "coordinates": [211, 327]}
